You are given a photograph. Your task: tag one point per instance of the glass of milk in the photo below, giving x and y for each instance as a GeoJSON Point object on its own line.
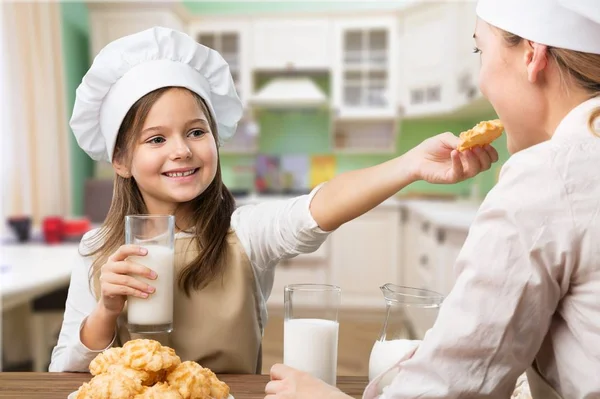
{"type": "Point", "coordinates": [410, 313]}
{"type": "Point", "coordinates": [310, 329]}
{"type": "Point", "coordinates": [156, 233]}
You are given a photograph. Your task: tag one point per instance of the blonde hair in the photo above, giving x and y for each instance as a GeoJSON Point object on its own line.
{"type": "Point", "coordinates": [210, 212]}
{"type": "Point", "coordinates": [583, 68]}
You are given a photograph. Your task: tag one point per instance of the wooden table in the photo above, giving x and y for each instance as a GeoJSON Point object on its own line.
{"type": "Point", "coordinates": [60, 385]}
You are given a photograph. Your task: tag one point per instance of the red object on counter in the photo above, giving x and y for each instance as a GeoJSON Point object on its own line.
{"type": "Point", "coordinates": [74, 229]}
{"type": "Point", "coordinates": [53, 229]}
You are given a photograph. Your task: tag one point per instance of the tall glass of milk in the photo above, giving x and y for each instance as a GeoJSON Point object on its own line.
{"type": "Point", "coordinates": [156, 233]}
{"type": "Point", "coordinates": [410, 313]}
{"type": "Point", "coordinates": [310, 329]}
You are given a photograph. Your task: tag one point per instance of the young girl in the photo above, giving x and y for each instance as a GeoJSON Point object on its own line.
{"type": "Point", "coordinates": [156, 104]}
{"type": "Point", "coordinates": [527, 295]}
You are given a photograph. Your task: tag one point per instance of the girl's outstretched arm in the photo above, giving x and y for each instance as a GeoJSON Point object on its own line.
{"type": "Point", "coordinates": [435, 160]}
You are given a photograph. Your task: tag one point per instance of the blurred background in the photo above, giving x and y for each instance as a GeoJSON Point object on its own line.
{"type": "Point", "coordinates": [327, 87]}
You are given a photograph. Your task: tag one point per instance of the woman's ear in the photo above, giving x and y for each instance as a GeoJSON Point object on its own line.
{"type": "Point", "coordinates": [121, 169]}
{"type": "Point", "coordinates": [536, 59]}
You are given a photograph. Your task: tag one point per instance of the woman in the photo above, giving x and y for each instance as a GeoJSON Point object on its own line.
{"type": "Point", "coordinates": [527, 294]}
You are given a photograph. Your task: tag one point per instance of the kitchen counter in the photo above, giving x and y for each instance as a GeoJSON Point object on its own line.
{"type": "Point", "coordinates": [59, 385]}
{"type": "Point", "coordinates": [30, 270]}
{"type": "Point", "coordinates": [447, 214]}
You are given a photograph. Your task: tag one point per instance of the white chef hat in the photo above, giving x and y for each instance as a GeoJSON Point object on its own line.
{"type": "Point", "coordinates": [133, 66]}
{"type": "Point", "coordinates": [568, 24]}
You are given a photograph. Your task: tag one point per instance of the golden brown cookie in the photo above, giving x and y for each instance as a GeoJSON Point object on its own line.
{"type": "Point", "coordinates": [483, 133]}
{"type": "Point", "coordinates": [161, 390]}
{"type": "Point", "coordinates": [149, 355]}
{"type": "Point", "coordinates": [190, 381]}
{"type": "Point", "coordinates": [105, 359]}
{"type": "Point", "coordinates": [109, 386]}
{"type": "Point", "coordinates": [218, 389]}
{"type": "Point", "coordinates": [148, 378]}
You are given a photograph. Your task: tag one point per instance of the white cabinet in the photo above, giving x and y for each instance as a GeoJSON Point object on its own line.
{"type": "Point", "coordinates": [364, 67]}
{"type": "Point", "coordinates": [360, 257]}
{"type": "Point", "coordinates": [430, 250]}
{"type": "Point", "coordinates": [439, 71]}
{"type": "Point", "coordinates": [291, 43]}
{"type": "Point", "coordinates": [307, 268]}
{"type": "Point", "coordinates": [366, 255]}
{"type": "Point", "coordinates": [109, 22]}
{"type": "Point", "coordinates": [419, 250]}
{"type": "Point", "coordinates": [450, 245]}
{"type": "Point", "coordinates": [230, 37]}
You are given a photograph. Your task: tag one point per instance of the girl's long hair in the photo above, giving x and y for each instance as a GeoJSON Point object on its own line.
{"type": "Point", "coordinates": [210, 211]}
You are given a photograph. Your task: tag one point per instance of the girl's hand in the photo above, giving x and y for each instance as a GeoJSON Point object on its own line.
{"type": "Point", "coordinates": [117, 281]}
{"type": "Point", "coordinates": [289, 383]}
{"type": "Point", "coordinates": [436, 160]}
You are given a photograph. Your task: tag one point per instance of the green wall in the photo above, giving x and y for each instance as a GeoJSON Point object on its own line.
{"type": "Point", "coordinates": [75, 40]}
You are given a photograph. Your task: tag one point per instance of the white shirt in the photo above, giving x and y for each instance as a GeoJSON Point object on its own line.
{"type": "Point", "coordinates": [269, 232]}
{"type": "Point", "coordinates": [528, 281]}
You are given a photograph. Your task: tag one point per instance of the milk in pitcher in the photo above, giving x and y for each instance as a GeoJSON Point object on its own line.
{"type": "Point", "coordinates": [385, 354]}
{"type": "Point", "coordinates": [311, 345]}
{"type": "Point", "coordinates": [154, 313]}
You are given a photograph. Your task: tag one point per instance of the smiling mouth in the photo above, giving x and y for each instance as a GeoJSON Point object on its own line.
{"type": "Point", "coordinates": [181, 174]}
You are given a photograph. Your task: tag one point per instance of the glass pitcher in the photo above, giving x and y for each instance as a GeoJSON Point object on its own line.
{"type": "Point", "coordinates": [410, 312]}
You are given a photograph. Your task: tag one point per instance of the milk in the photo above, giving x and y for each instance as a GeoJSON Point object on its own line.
{"type": "Point", "coordinates": [310, 345]}
{"type": "Point", "coordinates": [385, 354]}
{"type": "Point", "coordinates": [157, 308]}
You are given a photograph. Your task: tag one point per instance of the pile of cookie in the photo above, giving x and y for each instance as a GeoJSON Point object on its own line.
{"type": "Point", "coordinates": [144, 369]}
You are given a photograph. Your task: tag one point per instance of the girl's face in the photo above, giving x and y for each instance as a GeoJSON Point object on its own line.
{"type": "Point", "coordinates": [504, 79]}
{"type": "Point", "coordinates": [174, 158]}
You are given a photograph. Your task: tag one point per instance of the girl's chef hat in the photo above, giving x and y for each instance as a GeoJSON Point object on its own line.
{"type": "Point", "coordinates": [133, 66]}
{"type": "Point", "coordinates": [568, 24]}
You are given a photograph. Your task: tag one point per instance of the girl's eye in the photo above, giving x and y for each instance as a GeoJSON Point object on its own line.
{"type": "Point", "coordinates": [156, 140]}
{"type": "Point", "coordinates": [196, 133]}
{"type": "Point", "coordinates": [476, 50]}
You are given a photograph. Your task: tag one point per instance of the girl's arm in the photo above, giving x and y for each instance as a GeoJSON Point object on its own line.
{"type": "Point", "coordinates": [276, 230]}
{"type": "Point", "coordinates": [70, 354]}
{"type": "Point", "coordinates": [352, 194]}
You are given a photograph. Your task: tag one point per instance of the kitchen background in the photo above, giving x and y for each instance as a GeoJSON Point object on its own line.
{"type": "Point", "coordinates": [327, 87]}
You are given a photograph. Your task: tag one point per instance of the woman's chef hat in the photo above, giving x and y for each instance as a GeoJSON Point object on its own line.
{"type": "Point", "coordinates": [568, 24]}
{"type": "Point", "coordinates": [133, 66]}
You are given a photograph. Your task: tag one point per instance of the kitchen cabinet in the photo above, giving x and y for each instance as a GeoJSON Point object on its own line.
{"type": "Point", "coordinates": [439, 72]}
{"type": "Point", "coordinates": [230, 37]}
{"type": "Point", "coordinates": [378, 136]}
{"type": "Point", "coordinates": [433, 237]}
{"type": "Point", "coordinates": [366, 255]}
{"type": "Point", "coordinates": [419, 251]}
{"type": "Point", "coordinates": [109, 22]}
{"type": "Point", "coordinates": [360, 256]}
{"type": "Point", "coordinates": [306, 268]}
{"type": "Point", "coordinates": [291, 43]}
{"type": "Point", "coordinates": [450, 245]}
{"type": "Point", "coordinates": [409, 244]}
{"type": "Point", "coordinates": [364, 67]}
